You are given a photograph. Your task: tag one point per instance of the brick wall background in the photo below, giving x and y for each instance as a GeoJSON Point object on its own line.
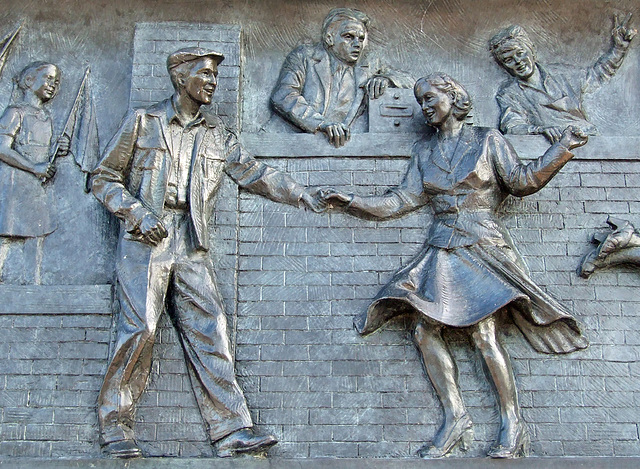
{"type": "Point", "coordinates": [308, 376]}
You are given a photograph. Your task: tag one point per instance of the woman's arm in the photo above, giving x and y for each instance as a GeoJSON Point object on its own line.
{"type": "Point", "coordinates": [521, 179]}
{"type": "Point", "coordinates": [389, 205]}
{"type": "Point", "coordinates": [397, 201]}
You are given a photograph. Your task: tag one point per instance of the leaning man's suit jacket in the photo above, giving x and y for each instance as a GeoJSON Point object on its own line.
{"type": "Point", "coordinates": [131, 179]}
{"type": "Point", "coordinates": [303, 89]}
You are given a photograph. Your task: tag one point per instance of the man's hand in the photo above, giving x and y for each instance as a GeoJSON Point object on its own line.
{"type": "Point", "coordinates": [334, 198]}
{"type": "Point", "coordinates": [314, 203]}
{"type": "Point", "coordinates": [552, 134]}
{"type": "Point", "coordinates": [622, 33]}
{"type": "Point", "coordinates": [64, 143]}
{"type": "Point", "coordinates": [151, 229]}
{"type": "Point", "coordinates": [377, 86]}
{"type": "Point", "coordinates": [337, 133]}
{"type": "Point", "coordinates": [44, 171]}
{"type": "Point", "coordinates": [573, 137]}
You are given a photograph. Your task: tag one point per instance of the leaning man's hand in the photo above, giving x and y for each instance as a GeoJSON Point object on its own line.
{"type": "Point", "coordinates": [377, 86]}
{"type": "Point", "coordinates": [337, 133]}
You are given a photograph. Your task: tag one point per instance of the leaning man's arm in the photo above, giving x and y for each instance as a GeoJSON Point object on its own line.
{"type": "Point", "coordinates": [287, 98]}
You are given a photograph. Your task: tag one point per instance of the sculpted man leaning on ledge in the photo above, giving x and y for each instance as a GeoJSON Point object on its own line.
{"type": "Point", "coordinates": [322, 87]}
{"type": "Point", "coordinates": [543, 100]}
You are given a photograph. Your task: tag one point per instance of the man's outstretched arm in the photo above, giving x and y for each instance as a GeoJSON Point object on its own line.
{"type": "Point", "coordinates": [264, 180]}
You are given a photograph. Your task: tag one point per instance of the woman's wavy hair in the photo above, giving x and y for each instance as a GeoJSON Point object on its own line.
{"type": "Point", "coordinates": [459, 96]}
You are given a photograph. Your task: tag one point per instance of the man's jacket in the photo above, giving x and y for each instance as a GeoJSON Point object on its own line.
{"type": "Point", "coordinates": [303, 89]}
{"type": "Point", "coordinates": [131, 179]}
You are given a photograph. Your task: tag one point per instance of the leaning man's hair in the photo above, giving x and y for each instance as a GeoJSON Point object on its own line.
{"type": "Point", "coordinates": [514, 35]}
{"type": "Point", "coordinates": [338, 15]}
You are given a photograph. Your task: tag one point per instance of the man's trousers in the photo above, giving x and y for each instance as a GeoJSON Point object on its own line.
{"type": "Point", "coordinates": [176, 276]}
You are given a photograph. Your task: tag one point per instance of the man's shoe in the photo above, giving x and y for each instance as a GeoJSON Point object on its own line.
{"type": "Point", "coordinates": [244, 441]}
{"type": "Point", "coordinates": [123, 449]}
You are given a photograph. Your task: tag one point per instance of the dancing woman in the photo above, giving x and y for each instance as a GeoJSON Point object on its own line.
{"type": "Point", "coordinates": [468, 270]}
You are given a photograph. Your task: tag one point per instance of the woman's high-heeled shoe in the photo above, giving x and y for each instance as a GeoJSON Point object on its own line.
{"type": "Point", "coordinates": [518, 447]}
{"type": "Point", "coordinates": [461, 433]}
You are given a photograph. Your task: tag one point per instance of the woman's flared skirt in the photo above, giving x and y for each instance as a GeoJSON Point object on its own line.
{"type": "Point", "coordinates": [460, 287]}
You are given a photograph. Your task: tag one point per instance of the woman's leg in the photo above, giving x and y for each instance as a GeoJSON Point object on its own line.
{"type": "Point", "coordinates": [37, 274]}
{"type": "Point", "coordinates": [4, 252]}
{"type": "Point", "coordinates": [442, 372]}
{"type": "Point", "coordinates": [513, 437]}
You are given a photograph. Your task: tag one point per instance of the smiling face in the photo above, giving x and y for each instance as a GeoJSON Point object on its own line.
{"type": "Point", "coordinates": [517, 60]}
{"type": "Point", "coordinates": [347, 41]}
{"type": "Point", "coordinates": [437, 106]}
{"type": "Point", "coordinates": [199, 80]}
{"type": "Point", "coordinates": [44, 82]}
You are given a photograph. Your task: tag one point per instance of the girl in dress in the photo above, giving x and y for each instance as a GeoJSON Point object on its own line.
{"type": "Point", "coordinates": [27, 210]}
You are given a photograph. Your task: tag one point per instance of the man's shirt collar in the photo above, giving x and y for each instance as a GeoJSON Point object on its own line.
{"type": "Point", "coordinates": [544, 77]}
{"type": "Point", "coordinates": [173, 117]}
{"type": "Point", "coordinates": [338, 65]}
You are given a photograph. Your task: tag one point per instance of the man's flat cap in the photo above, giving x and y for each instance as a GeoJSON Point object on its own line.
{"type": "Point", "coordinates": [192, 53]}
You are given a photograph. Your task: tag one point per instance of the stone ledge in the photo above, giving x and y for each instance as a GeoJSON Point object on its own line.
{"type": "Point", "coordinates": [398, 145]}
{"type": "Point", "coordinates": [254, 463]}
{"type": "Point", "coordinates": [55, 299]}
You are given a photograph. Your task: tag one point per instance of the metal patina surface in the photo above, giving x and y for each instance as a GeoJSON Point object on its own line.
{"type": "Point", "coordinates": [263, 173]}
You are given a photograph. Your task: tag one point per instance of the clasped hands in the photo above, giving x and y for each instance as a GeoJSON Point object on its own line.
{"type": "Point", "coordinates": [326, 199]}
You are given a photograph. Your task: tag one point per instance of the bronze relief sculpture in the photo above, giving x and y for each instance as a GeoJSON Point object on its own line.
{"type": "Point", "coordinates": [27, 151]}
{"type": "Point", "coordinates": [323, 87]}
{"type": "Point", "coordinates": [541, 100]}
{"type": "Point", "coordinates": [159, 175]}
{"type": "Point", "coordinates": [162, 171]}
{"type": "Point", "coordinates": [469, 273]}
